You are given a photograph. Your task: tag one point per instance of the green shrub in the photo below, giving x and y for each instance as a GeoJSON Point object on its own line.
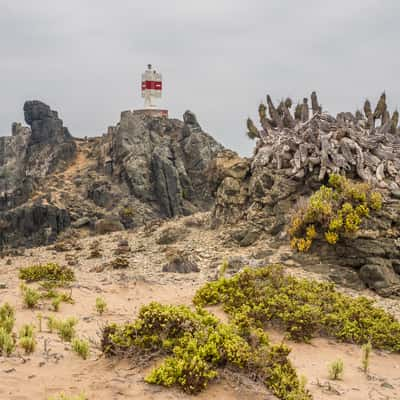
{"type": "Point", "coordinates": [81, 347]}
{"type": "Point", "coordinates": [57, 298]}
{"type": "Point", "coordinates": [27, 330]}
{"type": "Point", "coordinates": [65, 329]}
{"type": "Point", "coordinates": [197, 345]}
{"type": "Point", "coordinates": [303, 308]}
{"type": "Point", "coordinates": [7, 344]}
{"type": "Point", "coordinates": [101, 305]}
{"type": "Point", "coordinates": [366, 353]}
{"type": "Point", "coordinates": [47, 272]}
{"type": "Point", "coordinates": [52, 324]}
{"type": "Point", "coordinates": [7, 317]}
{"type": "Point", "coordinates": [56, 303]}
{"type": "Point", "coordinates": [333, 212]}
{"type": "Point", "coordinates": [28, 344]}
{"type": "Point", "coordinates": [336, 370]}
{"type": "Point", "coordinates": [30, 296]}
{"type": "Point", "coordinates": [27, 338]}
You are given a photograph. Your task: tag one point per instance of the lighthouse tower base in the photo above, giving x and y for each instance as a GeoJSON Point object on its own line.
{"type": "Point", "coordinates": [152, 112]}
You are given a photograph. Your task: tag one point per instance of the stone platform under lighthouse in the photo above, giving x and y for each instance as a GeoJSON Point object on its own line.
{"type": "Point", "coordinates": [152, 112]}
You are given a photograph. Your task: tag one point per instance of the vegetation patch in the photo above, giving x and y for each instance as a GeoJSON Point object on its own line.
{"type": "Point", "coordinates": [7, 320]}
{"type": "Point", "coordinates": [47, 272]}
{"type": "Point", "coordinates": [65, 329]}
{"type": "Point", "coordinates": [101, 305]}
{"type": "Point", "coordinates": [303, 308]}
{"type": "Point", "coordinates": [27, 338]}
{"type": "Point", "coordinates": [30, 296]}
{"type": "Point", "coordinates": [81, 347]}
{"type": "Point", "coordinates": [7, 317]}
{"type": "Point", "coordinates": [333, 212]}
{"type": "Point", "coordinates": [196, 344]}
{"type": "Point", "coordinates": [336, 370]}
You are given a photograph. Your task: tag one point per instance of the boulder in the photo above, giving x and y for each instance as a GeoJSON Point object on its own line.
{"type": "Point", "coordinates": [377, 276]}
{"type": "Point", "coordinates": [171, 234]}
{"type": "Point", "coordinates": [107, 225]}
{"type": "Point", "coordinates": [81, 222]}
{"type": "Point", "coordinates": [180, 262]}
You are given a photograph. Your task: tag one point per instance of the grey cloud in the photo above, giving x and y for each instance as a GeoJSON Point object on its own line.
{"type": "Point", "coordinates": [218, 58]}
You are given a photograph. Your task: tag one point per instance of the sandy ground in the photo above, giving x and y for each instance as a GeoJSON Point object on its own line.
{"type": "Point", "coordinates": [54, 367]}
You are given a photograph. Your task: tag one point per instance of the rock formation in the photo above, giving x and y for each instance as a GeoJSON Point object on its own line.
{"type": "Point", "coordinates": [294, 155]}
{"type": "Point", "coordinates": [350, 144]}
{"type": "Point", "coordinates": [25, 158]}
{"type": "Point", "coordinates": [144, 168]}
{"type": "Point", "coordinates": [161, 161]}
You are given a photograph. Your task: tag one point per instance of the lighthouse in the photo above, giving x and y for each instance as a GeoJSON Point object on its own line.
{"type": "Point", "coordinates": [152, 87]}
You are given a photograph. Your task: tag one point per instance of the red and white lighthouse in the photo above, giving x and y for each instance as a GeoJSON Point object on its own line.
{"type": "Point", "coordinates": [151, 91]}
{"type": "Point", "coordinates": [151, 86]}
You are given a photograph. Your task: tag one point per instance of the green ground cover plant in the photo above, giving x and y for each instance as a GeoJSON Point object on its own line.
{"type": "Point", "coordinates": [256, 298]}
{"type": "Point", "coordinates": [196, 344]}
{"type": "Point", "coordinates": [50, 272]}
{"type": "Point", "coordinates": [332, 212]}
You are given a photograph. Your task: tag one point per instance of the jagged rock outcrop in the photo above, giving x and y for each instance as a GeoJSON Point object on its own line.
{"type": "Point", "coordinates": [26, 157]}
{"type": "Point", "coordinates": [161, 161]}
{"type": "Point", "coordinates": [31, 154]}
{"type": "Point", "coordinates": [292, 158]}
{"type": "Point", "coordinates": [50, 144]}
{"type": "Point", "coordinates": [144, 168]}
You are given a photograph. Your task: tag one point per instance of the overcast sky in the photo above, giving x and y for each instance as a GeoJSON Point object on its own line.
{"type": "Point", "coordinates": [218, 58]}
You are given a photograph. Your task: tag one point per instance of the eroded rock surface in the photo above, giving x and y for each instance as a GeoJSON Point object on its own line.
{"type": "Point", "coordinates": [144, 168]}
{"type": "Point", "coordinates": [261, 194]}
{"type": "Point", "coordinates": [161, 161]}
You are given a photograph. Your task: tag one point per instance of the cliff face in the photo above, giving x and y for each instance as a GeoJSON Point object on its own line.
{"type": "Point", "coordinates": [32, 153]}
{"type": "Point", "coordinates": [161, 161]}
{"type": "Point", "coordinates": [143, 168]}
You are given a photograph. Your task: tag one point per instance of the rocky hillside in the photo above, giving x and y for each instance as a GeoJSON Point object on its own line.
{"type": "Point", "coordinates": [144, 168]}
{"type": "Point", "coordinates": [293, 157]}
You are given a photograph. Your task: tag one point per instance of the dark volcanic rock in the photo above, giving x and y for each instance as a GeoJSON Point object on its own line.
{"type": "Point", "coordinates": [33, 224]}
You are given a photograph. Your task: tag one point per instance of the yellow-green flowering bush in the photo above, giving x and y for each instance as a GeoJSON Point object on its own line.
{"type": "Point", "coordinates": [197, 345]}
{"type": "Point", "coordinates": [303, 308]}
{"type": "Point", "coordinates": [332, 212]}
{"type": "Point", "coordinates": [47, 272]}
